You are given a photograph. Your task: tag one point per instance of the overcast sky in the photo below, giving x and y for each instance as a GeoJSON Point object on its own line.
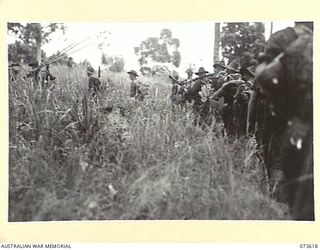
{"type": "Point", "coordinates": [196, 40]}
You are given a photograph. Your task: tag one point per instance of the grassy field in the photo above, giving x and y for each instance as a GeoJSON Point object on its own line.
{"type": "Point", "coordinates": [71, 159]}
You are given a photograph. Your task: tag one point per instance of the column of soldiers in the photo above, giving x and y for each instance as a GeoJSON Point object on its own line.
{"type": "Point", "coordinates": [230, 83]}
{"type": "Point", "coordinates": [272, 103]}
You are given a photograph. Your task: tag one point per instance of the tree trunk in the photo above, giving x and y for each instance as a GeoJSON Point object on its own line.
{"type": "Point", "coordinates": [39, 42]}
{"type": "Point", "coordinates": [216, 49]}
{"type": "Point", "coordinates": [271, 28]}
{"type": "Point", "coordinates": [39, 52]}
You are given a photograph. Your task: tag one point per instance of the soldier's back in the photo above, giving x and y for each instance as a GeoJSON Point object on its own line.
{"type": "Point", "coordinates": [286, 77]}
{"type": "Point", "coordinates": [94, 84]}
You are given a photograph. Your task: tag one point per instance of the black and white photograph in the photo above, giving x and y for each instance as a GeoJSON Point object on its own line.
{"type": "Point", "coordinates": [160, 121]}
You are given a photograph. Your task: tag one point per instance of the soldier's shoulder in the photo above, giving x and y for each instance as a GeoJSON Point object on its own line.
{"type": "Point", "coordinates": [93, 79]}
{"type": "Point", "coordinates": [283, 36]}
{"type": "Point", "coordinates": [233, 83]}
{"type": "Point", "coordinates": [287, 32]}
{"type": "Point", "coordinates": [197, 83]}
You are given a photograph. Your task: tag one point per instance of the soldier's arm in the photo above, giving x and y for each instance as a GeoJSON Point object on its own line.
{"type": "Point", "coordinates": [90, 83]}
{"type": "Point", "coordinates": [139, 87]}
{"type": "Point", "coordinates": [227, 86]}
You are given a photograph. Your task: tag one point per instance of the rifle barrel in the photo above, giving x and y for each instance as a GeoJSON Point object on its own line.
{"type": "Point", "coordinates": [184, 82]}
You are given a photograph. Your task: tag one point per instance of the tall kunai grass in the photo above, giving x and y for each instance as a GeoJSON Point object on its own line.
{"type": "Point", "coordinates": [71, 159]}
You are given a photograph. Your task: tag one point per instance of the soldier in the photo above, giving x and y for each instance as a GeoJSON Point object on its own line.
{"type": "Point", "coordinates": [46, 76]}
{"type": "Point", "coordinates": [230, 71]}
{"type": "Point", "coordinates": [93, 82]}
{"type": "Point", "coordinates": [241, 99]}
{"type": "Point", "coordinates": [263, 125]}
{"type": "Point", "coordinates": [34, 73]}
{"type": "Point", "coordinates": [225, 73]}
{"type": "Point", "coordinates": [247, 74]}
{"type": "Point", "coordinates": [220, 73]}
{"type": "Point", "coordinates": [135, 86]}
{"type": "Point", "coordinates": [227, 91]}
{"type": "Point", "coordinates": [285, 77]}
{"type": "Point", "coordinates": [200, 108]}
{"type": "Point", "coordinates": [70, 62]}
{"type": "Point", "coordinates": [218, 67]}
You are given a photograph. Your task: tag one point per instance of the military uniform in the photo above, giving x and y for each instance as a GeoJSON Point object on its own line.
{"type": "Point", "coordinates": [200, 109]}
{"type": "Point", "coordinates": [228, 90]}
{"type": "Point", "coordinates": [226, 86]}
{"type": "Point", "coordinates": [240, 108]}
{"type": "Point", "coordinates": [135, 86]}
{"type": "Point", "coordinates": [94, 84]}
{"type": "Point", "coordinates": [241, 100]}
{"type": "Point", "coordinates": [220, 73]}
{"type": "Point", "coordinates": [46, 76]}
{"type": "Point", "coordinates": [266, 128]}
{"type": "Point", "coordinates": [193, 94]}
{"type": "Point", "coordinates": [135, 90]}
{"type": "Point", "coordinates": [34, 73]}
{"type": "Point", "coordinates": [285, 77]}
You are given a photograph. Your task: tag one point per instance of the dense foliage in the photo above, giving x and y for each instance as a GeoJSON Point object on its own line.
{"type": "Point", "coordinates": [34, 34]}
{"type": "Point", "coordinates": [113, 63]}
{"type": "Point", "coordinates": [243, 41]}
{"type": "Point", "coordinates": [19, 52]}
{"type": "Point", "coordinates": [162, 49]}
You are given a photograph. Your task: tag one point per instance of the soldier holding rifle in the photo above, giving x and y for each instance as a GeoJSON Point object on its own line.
{"type": "Point", "coordinates": [241, 99]}
{"type": "Point", "coordinates": [228, 90]}
{"type": "Point", "coordinates": [135, 86]}
{"type": "Point", "coordinates": [93, 82]}
{"type": "Point", "coordinates": [46, 76]}
{"type": "Point", "coordinates": [200, 109]}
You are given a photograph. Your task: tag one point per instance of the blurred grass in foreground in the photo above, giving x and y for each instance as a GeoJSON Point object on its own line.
{"type": "Point", "coordinates": [70, 161]}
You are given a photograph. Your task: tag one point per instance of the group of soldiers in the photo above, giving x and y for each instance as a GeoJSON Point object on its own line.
{"type": "Point", "coordinates": [270, 102]}
{"type": "Point", "coordinates": [229, 83]}
{"type": "Point", "coordinates": [38, 73]}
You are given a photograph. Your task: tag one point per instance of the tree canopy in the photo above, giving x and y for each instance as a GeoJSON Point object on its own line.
{"type": "Point", "coordinates": [243, 41]}
{"type": "Point", "coordinates": [162, 49]}
{"type": "Point", "coordinates": [34, 34]}
{"type": "Point", "coordinates": [114, 63]}
{"type": "Point", "coordinates": [19, 52]}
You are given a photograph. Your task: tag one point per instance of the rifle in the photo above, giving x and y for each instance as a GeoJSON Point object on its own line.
{"type": "Point", "coordinates": [14, 65]}
{"type": "Point", "coordinates": [187, 82]}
